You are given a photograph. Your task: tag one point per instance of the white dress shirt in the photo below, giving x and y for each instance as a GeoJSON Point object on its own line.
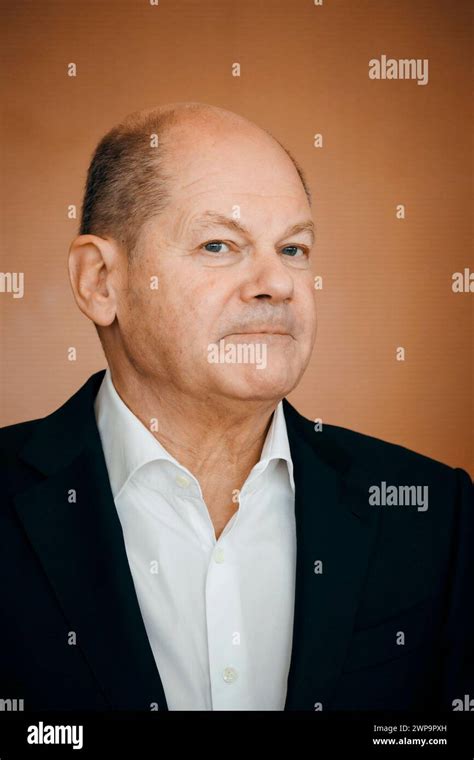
{"type": "Point", "coordinates": [218, 613]}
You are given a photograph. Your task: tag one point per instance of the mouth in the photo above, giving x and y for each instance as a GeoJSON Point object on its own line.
{"type": "Point", "coordinates": [264, 334]}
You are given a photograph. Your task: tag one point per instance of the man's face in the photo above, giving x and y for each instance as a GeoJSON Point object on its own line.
{"type": "Point", "coordinates": [247, 280]}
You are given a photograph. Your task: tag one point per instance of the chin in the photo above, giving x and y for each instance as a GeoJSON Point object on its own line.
{"type": "Point", "coordinates": [257, 384]}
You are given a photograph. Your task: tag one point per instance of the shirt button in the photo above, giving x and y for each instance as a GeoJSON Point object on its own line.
{"type": "Point", "coordinates": [219, 555]}
{"type": "Point", "coordinates": [229, 675]}
{"type": "Point", "coordinates": [182, 481]}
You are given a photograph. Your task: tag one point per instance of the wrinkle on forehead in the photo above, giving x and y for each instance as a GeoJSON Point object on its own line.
{"type": "Point", "coordinates": [191, 222]}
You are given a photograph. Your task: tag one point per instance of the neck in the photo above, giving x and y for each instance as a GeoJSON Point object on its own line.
{"type": "Point", "coordinates": [214, 441]}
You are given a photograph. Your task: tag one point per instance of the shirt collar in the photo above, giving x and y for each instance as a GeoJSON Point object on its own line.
{"type": "Point", "coordinates": [128, 444]}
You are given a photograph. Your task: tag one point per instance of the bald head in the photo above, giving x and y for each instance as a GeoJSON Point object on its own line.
{"type": "Point", "coordinates": [141, 161]}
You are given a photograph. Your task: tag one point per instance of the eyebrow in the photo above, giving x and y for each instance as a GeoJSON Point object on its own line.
{"type": "Point", "coordinates": [212, 218]}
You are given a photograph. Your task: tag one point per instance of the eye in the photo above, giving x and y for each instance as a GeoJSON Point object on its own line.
{"type": "Point", "coordinates": [292, 250]}
{"type": "Point", "coordinates": [215, 246]}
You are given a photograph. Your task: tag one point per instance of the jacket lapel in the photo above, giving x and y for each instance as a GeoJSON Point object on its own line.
{"type": "Point", "coordinates": [334, 525]}
{"type": "Point", "coordinates": [81, 548]}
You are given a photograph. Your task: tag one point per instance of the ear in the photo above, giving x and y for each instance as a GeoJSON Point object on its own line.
{"type": "Point", "coordinates": [93, 265]}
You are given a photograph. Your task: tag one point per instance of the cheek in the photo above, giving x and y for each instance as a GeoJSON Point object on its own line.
{"type": "Point", "coordinates": [188, 306]}
{"type": "Point", "coordinates": [306, 309]}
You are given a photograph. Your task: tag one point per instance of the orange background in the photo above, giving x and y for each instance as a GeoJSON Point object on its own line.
{"type": "Point", "coordinates": [304, 70]}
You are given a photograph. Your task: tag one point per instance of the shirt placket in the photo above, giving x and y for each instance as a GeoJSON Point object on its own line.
{"type": "Point", "coordinates": [227, 643]}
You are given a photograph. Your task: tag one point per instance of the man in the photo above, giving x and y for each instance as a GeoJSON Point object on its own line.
{"type": "Point", "coordinates": [177, 536]}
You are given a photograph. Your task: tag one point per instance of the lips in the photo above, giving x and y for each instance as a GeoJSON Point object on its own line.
{"type": "Point", "coordinates": [258, 330]}
{"type": "Point", "coordinates": [262, 335]}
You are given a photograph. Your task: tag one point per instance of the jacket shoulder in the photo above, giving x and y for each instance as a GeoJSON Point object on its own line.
{"type": "Point", "coordinates": [371, 454]}
{"type": "Point", "coordinates": [12, 437]}
{"type": "Point", "coordinates": [367, 449]}
{"type": "Point", "coordinates": [71, 414]}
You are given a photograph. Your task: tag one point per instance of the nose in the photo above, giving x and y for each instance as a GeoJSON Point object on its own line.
{"type": "Point", "coordinates": [268, 278]}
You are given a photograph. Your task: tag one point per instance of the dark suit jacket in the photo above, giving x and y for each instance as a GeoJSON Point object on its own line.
{"type": "Point", "coordinates": [387, 572]}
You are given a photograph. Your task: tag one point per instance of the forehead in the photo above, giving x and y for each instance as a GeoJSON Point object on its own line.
{"type": "Point", "coordinates": [243, 214]}
{"type": "Point", "coordinates": [233, 161]}
{"type": "Point", "coordinates": [254, 188]}
{"type": "Point", "coordinates": [233, 172]}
